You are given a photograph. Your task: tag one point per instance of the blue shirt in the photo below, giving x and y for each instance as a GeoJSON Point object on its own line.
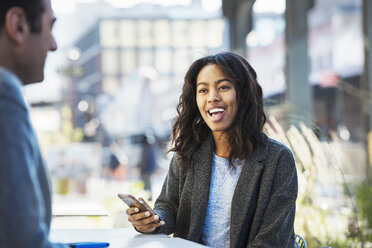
{"type": "Point", "coordinates": [25, 200]}
{"type": "Point", "coordinates": [216, 228]}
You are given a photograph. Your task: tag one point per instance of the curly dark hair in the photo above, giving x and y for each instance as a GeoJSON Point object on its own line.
{"type": "Point", "coordinates": [189, 129]}
{"type": "Point", "coordinates": [32, 8]}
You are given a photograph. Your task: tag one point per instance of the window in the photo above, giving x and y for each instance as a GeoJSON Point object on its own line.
{"type": "Point", "coordinates": [108, 33]}
{"type": "Point", "coordinates": [110, 62]}
{"type": "Point", "coordinates": [128, 61]}
{"type": "Point", "coordinates": [181, 61]}
{"type": "Point", "coordinates": [197, 32]}
{"type": "Point", "coordinates": [110, 85]}
{"type": "Point", "coordinates": [144, 34]}
{"type": "Point", "coordinates": [179, 33]}
{"type": "Point", "coordinates": [214, 37]}
{"type": "Point", "coordinates": [162, 35]}
{"type": "Point", "coordinates": [145, 58]}
{"type": "Point", "coordinates": [163, 60]}
{"type": "Point", "coordinates": [127, 33]}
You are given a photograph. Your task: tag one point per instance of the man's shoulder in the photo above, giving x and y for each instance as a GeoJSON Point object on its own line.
{"type": "Point", "coordinates": [7, 78]}
{"type": "Point", "coordinates": [10, 92]}
{"type": "Point", "coordinates": [13, 110]}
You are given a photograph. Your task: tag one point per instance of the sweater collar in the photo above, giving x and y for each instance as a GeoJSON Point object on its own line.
{"type": "Point", "coordinates": [205, 152]}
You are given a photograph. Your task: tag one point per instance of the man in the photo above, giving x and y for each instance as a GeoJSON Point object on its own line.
{"type": "Point", "coordinates": [25, 201]}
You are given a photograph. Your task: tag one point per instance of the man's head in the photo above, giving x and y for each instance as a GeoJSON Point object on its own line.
{"type": "Point", "coordinates": [26, 37]}
{"type": "Point", "coordinates": [32, 8]}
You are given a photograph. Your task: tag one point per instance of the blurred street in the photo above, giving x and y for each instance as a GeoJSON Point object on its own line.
{"type": "Point", "coordinates": [104, 112]}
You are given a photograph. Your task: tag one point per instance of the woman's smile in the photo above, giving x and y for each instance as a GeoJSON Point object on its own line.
{"type": "Point", "coordinates": [216, 114]}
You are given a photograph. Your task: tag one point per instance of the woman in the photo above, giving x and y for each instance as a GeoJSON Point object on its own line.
{"type": "Point", "coordinates": [228, 184]}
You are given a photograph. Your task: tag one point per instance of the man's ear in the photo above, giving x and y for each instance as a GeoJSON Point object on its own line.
{"type": "Point", "coordinates": [16, 25]}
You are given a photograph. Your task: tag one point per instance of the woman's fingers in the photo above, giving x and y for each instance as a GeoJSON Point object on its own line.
{"type": "Point", "coordinates": [143, 218]}
{"type": "Point", "coordinates": [149, 227]}
{"type": "Point", "coordinates": [148, 224]}
{"type": "Point", "coordinates": [131, 211]}
{"type": "Point", "coordinates": [143, 221]}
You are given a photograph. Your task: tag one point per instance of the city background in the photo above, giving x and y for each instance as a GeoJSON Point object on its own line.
{"type": "Point", "coordinates": [111, 90]}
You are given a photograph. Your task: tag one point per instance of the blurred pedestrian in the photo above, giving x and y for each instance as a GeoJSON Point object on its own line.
{"type": "Point", "coordinates": [117, 170]}
{"type": "Point", "coordinates": [147, 163]}
{"type": "Point", "coordinates": [25, 197]}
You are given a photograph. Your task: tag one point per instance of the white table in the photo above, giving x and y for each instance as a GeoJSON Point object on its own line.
{"type": "Point", "coordinates": [120, 238]}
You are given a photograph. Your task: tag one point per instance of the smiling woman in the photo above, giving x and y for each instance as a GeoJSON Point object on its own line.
{"type": "Point", "coordinates": [228, 184]}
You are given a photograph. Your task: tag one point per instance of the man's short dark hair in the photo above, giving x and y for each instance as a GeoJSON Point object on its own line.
{"type": "Point", "coordinates": [32, 8]}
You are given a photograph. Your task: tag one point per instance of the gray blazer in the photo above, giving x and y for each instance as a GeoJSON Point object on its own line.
{"type": "Point", "coordinates": [25, 202]}
{"type": "Point", "coordinates": [263, 205]}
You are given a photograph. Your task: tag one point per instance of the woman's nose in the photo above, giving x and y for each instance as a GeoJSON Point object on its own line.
{"type": "Point", "coordinates": [213, 96]}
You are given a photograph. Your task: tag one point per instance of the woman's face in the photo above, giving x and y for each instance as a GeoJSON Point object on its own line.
{"type": "Point", "coordinates": [216, 98]}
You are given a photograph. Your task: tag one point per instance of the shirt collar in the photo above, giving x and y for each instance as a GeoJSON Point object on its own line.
{"type": "Point", "coordinates": [12, 77]}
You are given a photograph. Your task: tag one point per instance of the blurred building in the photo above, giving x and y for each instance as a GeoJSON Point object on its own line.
{"type": "Point", "coordinates": [335, 41]}
{"type": "Point", "coordinates": [140, 55]}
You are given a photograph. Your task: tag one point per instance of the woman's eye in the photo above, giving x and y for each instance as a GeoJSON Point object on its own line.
{"type": "Point", "coordinates": [202, 90]}
{"type": "Point", "coordinates": [224, 87]}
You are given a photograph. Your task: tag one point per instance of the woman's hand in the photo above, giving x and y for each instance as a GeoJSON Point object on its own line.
{"type": "Point", "coordinates": [143, 221]}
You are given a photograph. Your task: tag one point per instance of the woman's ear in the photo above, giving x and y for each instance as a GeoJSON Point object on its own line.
{"type": "Point", "coordinates": [16, 26]}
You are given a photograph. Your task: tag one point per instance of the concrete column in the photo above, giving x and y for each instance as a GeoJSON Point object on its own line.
{"type": "Point", "coordinates": [239, 13]}
{"type": "Point", "coordinates": [299, 93]}
{"type": "Point", "coordinates": [367, 82]}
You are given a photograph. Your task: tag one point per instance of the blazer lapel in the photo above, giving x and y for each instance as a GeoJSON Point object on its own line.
{"type": "Point", "coordinates": [202, 167]}
{"type": "Point", "coordinates": [245, 199]}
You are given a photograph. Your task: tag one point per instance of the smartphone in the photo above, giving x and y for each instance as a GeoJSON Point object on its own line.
{"type": "Point", "coordinates": [132, 201]}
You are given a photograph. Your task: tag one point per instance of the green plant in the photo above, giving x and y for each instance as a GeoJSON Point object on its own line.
{"type": "Point", "coordinates": [364, 201]}
{"type": "Point", "coordinates": [322, 165]}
